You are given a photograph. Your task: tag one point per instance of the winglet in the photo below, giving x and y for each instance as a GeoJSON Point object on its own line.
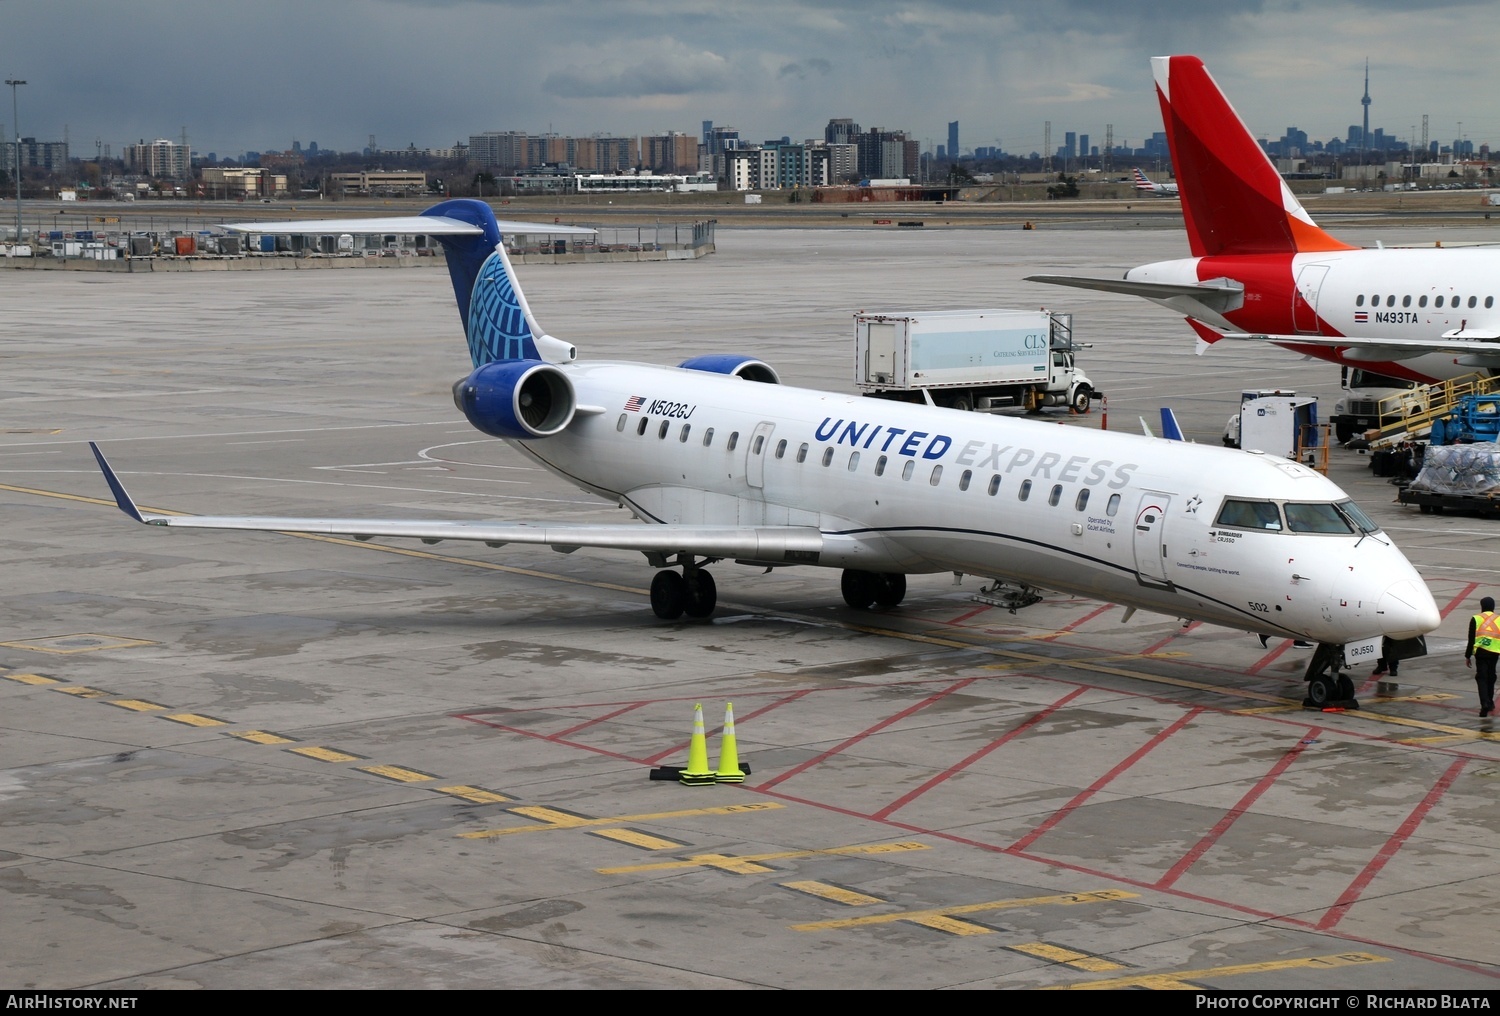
{"type": "Point", "coordinates": [1169, 427]}
{"type": "Point", "coordinates": [116, 487]}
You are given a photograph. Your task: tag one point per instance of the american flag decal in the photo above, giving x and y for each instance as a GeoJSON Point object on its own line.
{"type": "Point", "coordinates": [1360, 317]}
{"type": "Point", "coordinates": [633, 404]}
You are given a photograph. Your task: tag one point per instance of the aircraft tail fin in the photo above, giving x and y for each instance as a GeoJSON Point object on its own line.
{"type": "Point", "coordinates": [1141, 181]}
{"type": "Point", "coordinates": [1233, 199]}
{"type": "Point", "coordinates": [1170, 429]}
{"type": "Point", "coordinates": [498, 322]}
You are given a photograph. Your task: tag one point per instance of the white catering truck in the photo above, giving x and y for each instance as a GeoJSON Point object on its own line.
{"type": "Point", "coordinates": [982, 360]}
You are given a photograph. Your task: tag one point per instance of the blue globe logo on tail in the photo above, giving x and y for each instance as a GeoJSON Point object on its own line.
{"type": "Point", "coordinates": [497, 328]}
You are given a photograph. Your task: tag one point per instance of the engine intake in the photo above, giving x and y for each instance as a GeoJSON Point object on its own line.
{"type": "Point", "coordinates": [516, 399]}
{"type": "Point", "coordinates": [746, 367]}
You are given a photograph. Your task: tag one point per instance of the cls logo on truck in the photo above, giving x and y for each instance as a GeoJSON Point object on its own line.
{"type": "Point", "coordinates": [1035, 341]}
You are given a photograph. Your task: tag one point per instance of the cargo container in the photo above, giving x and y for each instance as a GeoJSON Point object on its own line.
{"type": "Point", "coordinates": [982, 360]}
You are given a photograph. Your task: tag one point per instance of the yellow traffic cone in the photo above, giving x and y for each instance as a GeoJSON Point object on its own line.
{"type": "Point", "coordinates": [729, 753]}
{"type": "Point", "coordinates": [697, 773]}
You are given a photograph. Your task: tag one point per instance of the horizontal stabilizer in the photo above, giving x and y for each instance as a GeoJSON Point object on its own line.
{"type": "Point", "coordinates": [1218, 296]}
{"type": "Point", "coordinates": [407, 225]}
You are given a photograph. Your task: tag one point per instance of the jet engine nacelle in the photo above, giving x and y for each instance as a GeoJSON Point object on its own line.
{"type": "Point", "coordinates": [746, 367]}
{"type": "Point", "coordinates": [516, 399]}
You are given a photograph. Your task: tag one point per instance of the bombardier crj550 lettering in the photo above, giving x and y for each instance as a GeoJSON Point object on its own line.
{"type": "Point", "coordinates": [721, 462]}
{"type": "Point", "coordinates": [1262, 270]}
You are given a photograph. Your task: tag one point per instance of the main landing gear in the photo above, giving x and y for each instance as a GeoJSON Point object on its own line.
{"type": "Point", "coordinates": [693, 593]}
{"type": "Point", "coordinates": [861, 589]}
{"type": "Point", "coordinates": [1326, 685]}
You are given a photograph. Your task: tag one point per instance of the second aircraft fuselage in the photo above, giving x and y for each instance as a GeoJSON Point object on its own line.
{"type": "Point", "coordinates": [1396, 292]}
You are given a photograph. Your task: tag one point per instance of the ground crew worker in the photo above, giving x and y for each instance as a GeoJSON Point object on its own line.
{"type": "Point", "coordinates": [1484, 650]}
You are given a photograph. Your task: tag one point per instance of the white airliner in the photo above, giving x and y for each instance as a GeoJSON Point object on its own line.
{"type": "Point", "coordinates": [1146, 186]}
{"type": "Point", "coordinates": [1262, 270]}
{"type": "Point", "coordinates": [719, 461]}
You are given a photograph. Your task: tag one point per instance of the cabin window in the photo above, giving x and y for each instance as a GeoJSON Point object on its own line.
{"type": "Point", "coordinates": [1056, 495]}
{"type": "Point", "coordinates": [880, 466]}
{"type": "Point", "coordinates": [1315, 518]}
{"type": "Point", "coordinates": [642, 428]}
{"type": "Point", "coordinates": [910, 467]}
{"type": "Point", "coordinates": [853, 461]}
{"type": "Point", "coordinates": [708, 437]}
{"type": "Point", "coordinates": [827, 455]}
{"type": "Point", "coordinates": [802, 452]}
{"type": "Point", "coordinates": [994, 484]}
{"type": "Point", "coordinates": [1422, 301]}
{"type": "Point", "coordinates": [620, 426]}
{"type": "Point", "coordinates": [758, 444]}
{"type": "Point", "coordinates": [781, 449]}
{"type": "Point", "coordinates": [1359, 301]}
{"type": "Point", "coordinates": [1489, 302]}
{"type": "Point", "coordinates": [963, 480]}
{"type": "Point", "coordinates": [686, 428]}
{"type": "Point", "coordinates": [1390, 301]}
{"type": "Point", "coordinates": [1456, 302]}
{"type": "Point", "coordinates": [1082, 501]}
{"type": "Point", "coordinates": [1249, 515]}
{"type": "Point", "coordinates": [1112, 505]}
{"type": "Point", "coordinates": [1473, 300]}
{"type": "Point", "coordinates": [1375, 301]}
{"type": "Point", "coordinates": [1025, 490]}
{"type": "Point", "coordinates": [1438, 302]}
{"type": "Point", "coordinates": [936, 477]}
{"type": "Point", "coordinates": [1406, 301]}
{"type": "Point", "coordinates": [734, 439]}
{"type": "Point", "coordinates": [661, 432]}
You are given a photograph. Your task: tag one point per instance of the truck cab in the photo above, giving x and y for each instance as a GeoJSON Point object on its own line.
{"type": "Point", "coordinates": [1369, 400]}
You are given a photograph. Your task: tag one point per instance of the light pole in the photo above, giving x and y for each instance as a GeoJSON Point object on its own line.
{"type": "Point", "coordinates": [14, 83]}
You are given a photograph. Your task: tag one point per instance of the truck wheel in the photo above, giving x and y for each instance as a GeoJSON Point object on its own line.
{"type": "Point", "coordinates": [1081, 400]}
{"type": "Point", "coordinates": [962, 403]}
{"type": "Point", "coordinates": [1343, 432]}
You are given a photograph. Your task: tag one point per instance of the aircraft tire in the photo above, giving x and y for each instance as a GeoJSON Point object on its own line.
{"type": "Point", "coordinates": [858, 588]}
{"type": "Point", "coordinates": [1082, 399]}
{"type": "Point", "coordinates": [1345, 687]}
{"type": "Point", "coordinates": [890, 588]}
{"type": "Point", "coordinates": [668, 595]}
{"type": "Point", "coordinates": [1321, 690]}
{"type": "Point", "coordinates": [701, 593]}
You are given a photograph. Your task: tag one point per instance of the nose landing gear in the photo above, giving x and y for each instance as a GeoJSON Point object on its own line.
{"type": "Point", "coordinates": [1327, 687]}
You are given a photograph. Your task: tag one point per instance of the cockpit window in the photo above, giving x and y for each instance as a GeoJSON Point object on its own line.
{"type": "Point", "coordinates": [1249, 515]}
{"type": "Point", "coordinates": [1361, 521]}
{"type": "Point", "coordinates": [1303, 517]}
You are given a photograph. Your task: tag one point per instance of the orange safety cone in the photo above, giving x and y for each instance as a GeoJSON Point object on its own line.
{"type": "Point", "coordinates": [729, 753]}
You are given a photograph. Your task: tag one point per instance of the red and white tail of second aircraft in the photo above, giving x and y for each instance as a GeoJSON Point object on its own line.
{"type": "Point", "coordinates": [1262, 270]}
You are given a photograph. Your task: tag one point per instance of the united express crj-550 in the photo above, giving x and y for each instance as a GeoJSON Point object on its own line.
{"type": "Point", "coordinates": [1261, 269]}
{"type": "Point", "coordinates": [719, 461]}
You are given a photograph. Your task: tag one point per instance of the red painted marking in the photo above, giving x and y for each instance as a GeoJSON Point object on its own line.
{"type": "Point", "coordinates": [1103, 781]}
{"type": "Point", "coordinates": [1230, 817]}
{"type": "Point", "coordinates": [1270, 657]}
{"type": "Point", "coordinates": [1085, 619]}
{"type": "Point", "coordinates": [598, 719]}
{"type": "Point", "coordinates": [1460, 598]}
{"type": "Point", "coordinates": [954, 770]}
{"type": "Point", "coordinates": [849, 742]}
{"type": "Point", "coordinates": [1362, 881]}
{"type": "Point", "coordinates": [960, 619]}
{"type": "Point", "coordinates": [1156, 646]}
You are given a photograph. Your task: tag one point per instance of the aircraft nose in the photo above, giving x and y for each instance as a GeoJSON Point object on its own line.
{"type": "Point", "coordinates": [1407, 610]}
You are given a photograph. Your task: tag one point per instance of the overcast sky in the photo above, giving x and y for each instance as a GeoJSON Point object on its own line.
{"type": "Point", "coordinates": [260, 74]}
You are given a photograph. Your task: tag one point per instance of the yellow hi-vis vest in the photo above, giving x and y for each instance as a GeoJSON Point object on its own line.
{"type": "Point", "coordinates": [1487, 632]}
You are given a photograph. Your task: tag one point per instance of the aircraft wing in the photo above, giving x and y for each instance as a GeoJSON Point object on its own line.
{"type": "Point", "coordinates": [769, 544]}
{"type": "Point", "coordinates": [1217, 296]}
{"type": "Point", "coordinates": [429, 225]}
{"type": "Point", "coordinates": [1473, 347]}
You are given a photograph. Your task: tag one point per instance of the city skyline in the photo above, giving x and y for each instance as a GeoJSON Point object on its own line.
{"type": "Point", "coordinates": [432, 72]}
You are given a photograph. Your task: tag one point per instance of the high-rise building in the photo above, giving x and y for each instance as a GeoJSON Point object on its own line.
{"type": "Point", "coordinates": [952, 140]}
{"type": "Point", "coordinates": [840, 131]}
{"type": "Point", "coordinates": [160, 158]}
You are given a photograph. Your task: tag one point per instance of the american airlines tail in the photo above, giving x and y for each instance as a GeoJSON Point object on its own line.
{"type": "Point", "coordinates": [1233, 199]}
